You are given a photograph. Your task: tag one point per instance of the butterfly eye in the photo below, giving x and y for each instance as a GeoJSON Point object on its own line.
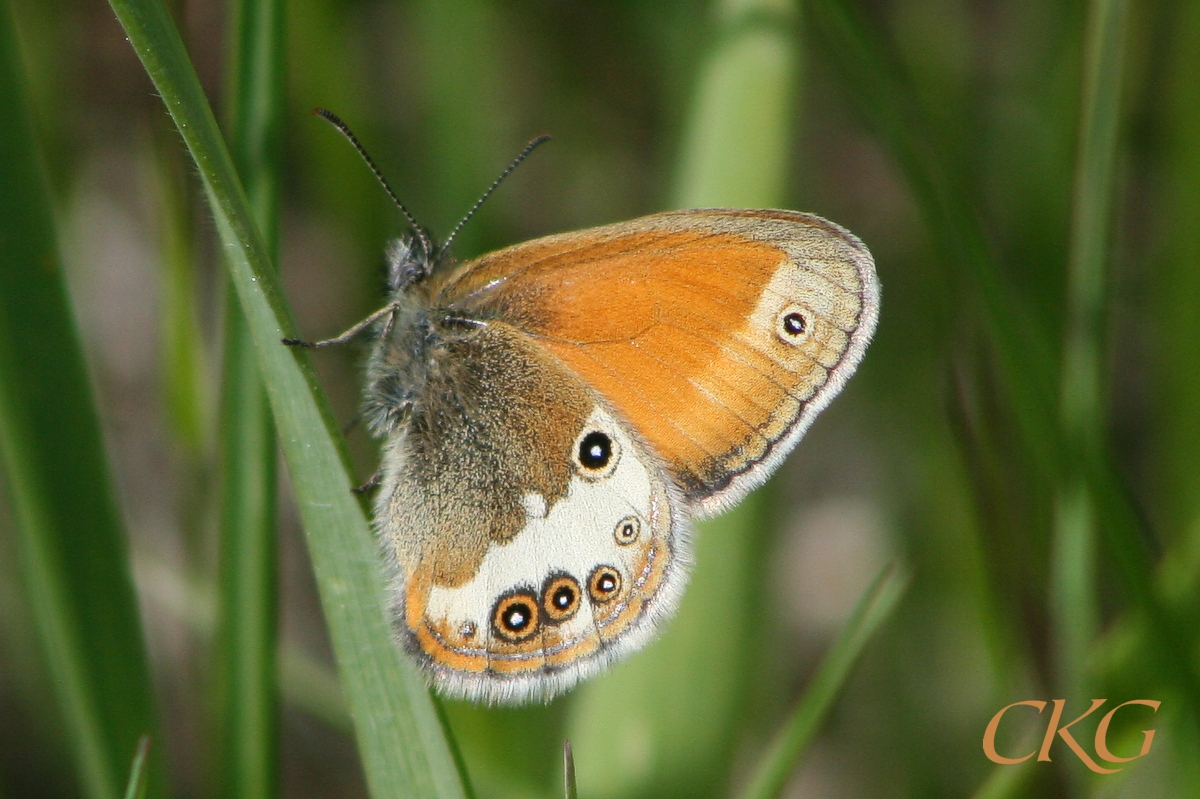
{"type": "Point", "coordinates": [560, 598]}
{"type": "Point", "coordinates": [792, 326]}
{"type": "Point", "coordinates": [595, 450]}
{"type": "Point", "coordinates": [604, 584]}
{"type": "Point", "coordinates": [516, 616]}
{"type": "Point", "coordinates": [627, 530]}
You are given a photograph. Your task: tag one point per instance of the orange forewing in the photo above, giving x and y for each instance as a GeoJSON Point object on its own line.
{"type": "Point", "coordinates": [671, 318]}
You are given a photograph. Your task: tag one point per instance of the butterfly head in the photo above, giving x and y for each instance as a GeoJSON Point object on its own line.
{"type": "Point", "coordinates": [410, 260]}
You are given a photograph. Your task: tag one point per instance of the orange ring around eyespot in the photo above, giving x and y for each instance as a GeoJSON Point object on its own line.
{"type": "Point", "coordinates": [604, 584]}
{"type": "Point", "coordinates": [510, 623]}
{"type": "Point", "coordinates": [561, 587]}
{"type": "Point", "coordinates": [627, 530]}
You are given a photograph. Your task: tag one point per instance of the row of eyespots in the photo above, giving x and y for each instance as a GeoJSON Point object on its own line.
{"type": "Point", "coordinates": [520, 613]}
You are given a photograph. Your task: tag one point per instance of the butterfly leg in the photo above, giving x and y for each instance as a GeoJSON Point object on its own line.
{"type": "Point", "coordinates": [387, 310]}
{"type": "Point", "coordinates": [353, 423]}
{"type": "Point", "coordinates": [372, 482]}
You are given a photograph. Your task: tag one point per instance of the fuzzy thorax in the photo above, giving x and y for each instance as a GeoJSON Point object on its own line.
{"type": "Point", "coordinates": [410, 342]}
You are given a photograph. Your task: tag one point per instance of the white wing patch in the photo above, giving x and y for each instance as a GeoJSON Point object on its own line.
{"type": "Point", "coordinates": [534, 504]}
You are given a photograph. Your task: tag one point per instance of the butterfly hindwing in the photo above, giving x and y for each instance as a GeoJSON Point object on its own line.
{"type": "Point", "coordinates": [532, 533]}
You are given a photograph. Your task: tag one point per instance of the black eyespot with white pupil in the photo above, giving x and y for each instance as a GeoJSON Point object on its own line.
{"type": "Point", "coordinates": [560, 598]}
{"type": "Point", "coordinates": [794, 324]}
{"type": "Point", "coordinates": [595, 450]}
{"type": "Point", "coordinates": [515, 617]}
{"type": "Point", "coordinates": [604, 584]}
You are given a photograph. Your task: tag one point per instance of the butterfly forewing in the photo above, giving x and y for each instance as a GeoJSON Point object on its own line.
{"type": "Point", "coordinates": [717, 335]}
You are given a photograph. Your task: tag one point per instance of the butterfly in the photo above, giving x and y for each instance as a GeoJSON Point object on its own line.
{"type": "Point", "coordinates": [554, 414]}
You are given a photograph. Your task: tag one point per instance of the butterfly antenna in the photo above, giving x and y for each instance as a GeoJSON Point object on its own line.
{"type": "Point", "coordinates": [516, 162]}
{"type": "Point", "coordinates": [344, 129]}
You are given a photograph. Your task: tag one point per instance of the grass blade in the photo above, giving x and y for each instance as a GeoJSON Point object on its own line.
{"type": "Point", "coordinates": [183, 359]}
{"type": "Point", "coordinates": [70, 538]}
{"type": "Point", "coordinates": [246, 687]}
{"type": "Point", "coordinates": [1073, 589]}
{"type": "Point", "coordinates": [136, 787]}
{"type": "Point", "coordinates": [400, 739]}
{"type": "Point", "coordinates": [570, 790]}
{"type": "Point", "coordinates": [737, 143]}
{"type": "Point", "coordinates": [874, 608]}
{"type": "Point", "coordinates": [1177, 278]}
{"type": "Point", "coordinates": [247, 724]}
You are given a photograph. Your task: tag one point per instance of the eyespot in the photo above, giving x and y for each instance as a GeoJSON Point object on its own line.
{"type": "Point", "coordinates": [596, 454]}
{"type": "Point", "coordinates": [515, 617]}
{"type": "Point", "coordinates": [604, 584]}
{"type": "Point", "coordinates": [628, 530]}
{"type": "Point", "coordinates": [595, 450]}
{"type": "Point", "coordinates": [792, 325]}
{"type": "Point", "coordinates": [560, 598]}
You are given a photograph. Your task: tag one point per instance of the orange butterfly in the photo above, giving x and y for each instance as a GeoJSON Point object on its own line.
{"type": "Point", "coordinates": [554, 413]}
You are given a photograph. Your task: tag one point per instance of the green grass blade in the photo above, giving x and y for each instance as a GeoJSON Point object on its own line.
{"type": "Point", "coordinates": [246, 700]}
{"type": "Point", "coordinates": [400, 739]}
{"type": "Point", "coordinates": [70, 538]}
{"type": "Point", "coordinates": [1074, 607]}
{"type": "Point", "coordinates": [136, 787]}
{"type": "Point", "coordinates": [737, 143]}
{"type": "Point", "coordinates": [1177, 291]}
{"type": "Point", "coordinates": [570, 789]}
{"type": "Point", "coordinates": [1177, 296]}
{"type": "Point", "coordinates": [873, 609]}
{"type": "Point", "coordinates": [681, 698]}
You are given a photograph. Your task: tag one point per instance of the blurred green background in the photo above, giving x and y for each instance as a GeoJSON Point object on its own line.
{"type": "Point", "coordinates": [1024, 433]}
